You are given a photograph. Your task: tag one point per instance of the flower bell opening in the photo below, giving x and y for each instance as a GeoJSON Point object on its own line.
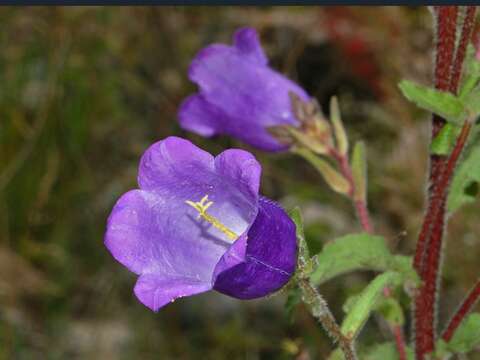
{"type": "Point", "coordinates": [202, 207]}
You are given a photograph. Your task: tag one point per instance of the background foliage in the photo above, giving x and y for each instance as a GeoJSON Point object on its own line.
{"type": "Point", "coordinates": [84, 91]}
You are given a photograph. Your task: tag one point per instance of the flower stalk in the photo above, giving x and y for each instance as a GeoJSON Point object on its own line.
{"type": "Point", "coordinates": [425, 302]}
{"type": "Point", "coordinates": [400, 342]}
{"type": "Point", "coordinates": [319, 309]}
{"type": "Point", "coordinates": [427, 259]}
{"type": "Point", "coordinates": [462, 311]}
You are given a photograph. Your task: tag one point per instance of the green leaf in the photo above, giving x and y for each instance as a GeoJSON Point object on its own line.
{"type": "Point", "coordinates": [464, 186]}
{"type": "Point", "coordinates": [442, 103]}
{"type": "Point", "coordinates": [359, 171]}
{"type": "Point", "coordinates": [443, 142]}
{"type": "Point", "coordinates": [351, 252]}
{"type": "Point", "coordinates": [385, 351]}
{"type": "Point", "coordinates": [467, 336]}
{"type": "Point", "coordinates": [366, 303]}
{"type": "Point", "coordinates": [338, 128]}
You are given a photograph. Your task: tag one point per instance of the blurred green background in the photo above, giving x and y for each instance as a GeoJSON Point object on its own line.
{"type": "Point", "coordinates": [85, 90]}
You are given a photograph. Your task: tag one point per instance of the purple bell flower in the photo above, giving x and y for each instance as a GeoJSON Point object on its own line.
{"type": "Point", "coordinates": [240, 95]}
{"type": "Point", "coordinates": [197, 223]}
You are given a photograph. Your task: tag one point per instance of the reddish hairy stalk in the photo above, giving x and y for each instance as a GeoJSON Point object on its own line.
{"type": "Point", "coordinates": [429, 247]}
{"type": "Point", "coordinates": [463, 310]}
{"type": "Point", "coordinates": [363, 217]}
{"type": "Point", "coordinates": [425, 302]}
{"type": "Point", "coordinates": [446, 22]}
{"type": "Point", "coordinates": [360, 205]}
{"type": "Point", "coordinates": [446, 17]}
{"type": "Point", "coordinates": [439, 161]}
{"type": "Point", "coordinates": [461, 51]}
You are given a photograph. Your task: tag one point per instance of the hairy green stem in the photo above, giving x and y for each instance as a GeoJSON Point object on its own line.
{"type": "Point", "coordinates": [319, 309]}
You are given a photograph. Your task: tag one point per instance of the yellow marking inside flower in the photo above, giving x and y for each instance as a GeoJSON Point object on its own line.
{"type": "Point", "coordinates": [202, 207]}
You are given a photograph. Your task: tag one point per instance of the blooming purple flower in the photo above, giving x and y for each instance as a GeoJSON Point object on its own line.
{"type": "Point", "coordinates": [240, 95]}
{"type": "Point", "coordinates": [197, 223]}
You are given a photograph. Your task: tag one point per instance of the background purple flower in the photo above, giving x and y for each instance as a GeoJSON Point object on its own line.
{"type": "Point", "coordinates": [239, 94]}
{"type": "Point", "coordinates": [176, 252]}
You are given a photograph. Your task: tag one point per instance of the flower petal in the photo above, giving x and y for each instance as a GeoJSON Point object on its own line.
{"type": "Point", "coordinates": [198, 116]}
{"type": "Point", "coordinates": [269, 260]}
{"type": "Point", "coordinates": [246, 41]}
{"type": "Point", "coordinates": [154, 231]}
{"type": "Point", "coordinates": [171, 160]}
{"type": "Point", "coordinates": [141, 235]}
{"type": "Point", "coordinates": [155, 291]}
{"type": "Point", "coordinates": [244, 96]}
{"type": "Point", "coordinates": [242, 167]}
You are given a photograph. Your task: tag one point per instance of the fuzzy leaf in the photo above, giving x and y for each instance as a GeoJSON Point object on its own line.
{"type": "Point", "coordinates": [465, 182]}
{"type": "Point", "coordinates": [366, 303]}
{"type": "Point", "coordinates": [359, 171]}
{"type": "Point", "coordinates": [351, 252]}
{"type": "Point", "coordinates": [442, 103]}
{"type": "Point", "coordinates": [467, 336]}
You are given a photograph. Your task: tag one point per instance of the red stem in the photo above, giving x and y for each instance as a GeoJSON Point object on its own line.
{"type": "Point", "coordinates": [400, 342]}
{"type": "Point", "coordinates": [429, 246]}
{"type": "Point", "coordinates": [425, 302]}
{"type": "Point", "coordinates": [363, 217]}
{"type": "Point", "coordinates": [464, 309]}
{"type": "Point", "coordinates": [467, 30]}
{"type": "Point", "coordinates": [360, 205]}
{"type": "Point", "coordinates": [446, 18]}
{"type": "Point", "coordinates": [397, 332]}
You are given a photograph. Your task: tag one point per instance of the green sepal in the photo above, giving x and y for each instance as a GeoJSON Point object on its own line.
{"type": "Point", "coordinates": [359, 171]}
{"type": "Point", "coordinates": [303, 252]}
{"type": "Point", "coordinates": [332, 177]}
{"type": "Point", "coordinates": [338, 128]}
{"type": "Point", "coordinates": [307, 141]}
